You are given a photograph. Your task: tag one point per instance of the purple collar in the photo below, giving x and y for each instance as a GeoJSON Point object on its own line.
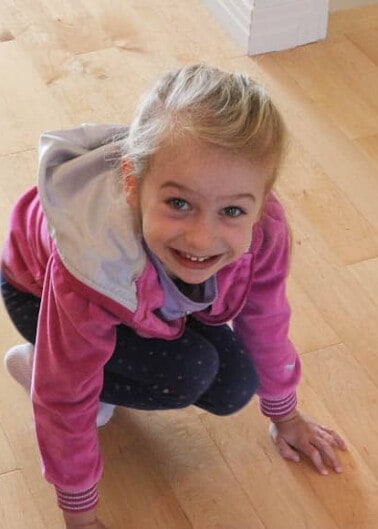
{"type": "Point", "coordinates": [176, 303]}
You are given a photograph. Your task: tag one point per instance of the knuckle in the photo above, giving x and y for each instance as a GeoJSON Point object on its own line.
{"type": "Point", "coordinates": [314, 453]}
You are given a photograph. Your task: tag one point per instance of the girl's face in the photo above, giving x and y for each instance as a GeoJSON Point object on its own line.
{"type": "Point", "coordinates": [197, 205]}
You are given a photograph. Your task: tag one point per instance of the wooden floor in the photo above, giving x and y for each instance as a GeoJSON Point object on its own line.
{"type": "Point", "coordinates": [73, 61]}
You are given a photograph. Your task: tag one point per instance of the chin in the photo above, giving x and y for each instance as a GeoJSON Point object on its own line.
{"type": "Point", "coordinates": [195, 278]}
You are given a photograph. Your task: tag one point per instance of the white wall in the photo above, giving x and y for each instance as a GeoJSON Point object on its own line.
{"type": "Point", "coordinates": [260, 26]}
{"type": "Point", "coordinates": [335, 5]}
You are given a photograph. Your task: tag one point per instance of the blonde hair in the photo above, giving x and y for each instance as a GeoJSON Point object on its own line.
{"type": "Point", "coordinates": [210, 105]}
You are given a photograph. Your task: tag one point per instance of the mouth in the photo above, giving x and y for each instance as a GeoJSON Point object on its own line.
{"type": "Point", "coordinates": [195, 261]}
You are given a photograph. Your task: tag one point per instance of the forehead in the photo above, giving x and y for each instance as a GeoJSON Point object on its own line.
{"type": "Point", "coordinates": [206, 169]}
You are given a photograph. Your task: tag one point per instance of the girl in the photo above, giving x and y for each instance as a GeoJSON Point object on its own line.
{"type": "Point", "coordinates": [124, 287]}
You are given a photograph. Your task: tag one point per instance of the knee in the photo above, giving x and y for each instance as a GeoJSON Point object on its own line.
{"type": "Point", "coordinates": [199, 372]}
{"type": "Point", "coordinates": [232, 401]}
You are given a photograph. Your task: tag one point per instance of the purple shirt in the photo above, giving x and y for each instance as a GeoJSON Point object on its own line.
{"type": "Point", "coordinates": [176, 303]}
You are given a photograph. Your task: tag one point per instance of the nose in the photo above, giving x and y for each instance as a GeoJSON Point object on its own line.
{"type": "Point", "coordinates": [201, 233]}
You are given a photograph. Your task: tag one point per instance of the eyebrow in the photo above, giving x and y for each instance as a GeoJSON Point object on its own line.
{"type": "Point", "coordinates": [181, 187]}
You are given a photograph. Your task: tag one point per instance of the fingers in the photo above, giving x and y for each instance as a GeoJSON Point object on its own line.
{"type": "Point", "coordinates": [335, 439]}
{"type": "Point", "coordinates": [327, 441]}
{"type": "Point", "coordinates": [313, 453]}
{"type": "Point", "coordinates": [327, 454]}
{"type": "Point", "coordinates": [284, 449]}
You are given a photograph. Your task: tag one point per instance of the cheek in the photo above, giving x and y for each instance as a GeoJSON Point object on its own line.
{"type": "Point", "coordinates": [159, 218]}
{"type": "Point", "coordinates": [157, 228]}
{"type": "Point", "coordinates": [150, 232]}
{"type": "Point", "coordinates": [244, 244]}
{"type": "Point", "coordinates": [241, 238]}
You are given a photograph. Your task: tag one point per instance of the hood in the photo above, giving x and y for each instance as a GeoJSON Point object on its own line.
{"type": "Point", "coordinates": [89, 220]}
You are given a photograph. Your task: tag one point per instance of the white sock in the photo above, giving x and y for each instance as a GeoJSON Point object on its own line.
{"type": "Point", "coordinates": [18, 362]}
{"type": "Point", "coordinates": [105, 413]}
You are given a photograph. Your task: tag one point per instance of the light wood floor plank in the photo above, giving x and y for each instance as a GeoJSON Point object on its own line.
{"type": "Point", "coordinates": [176, 446]}
{"type": "Point", "coordinates": [7, 459]}
{"type": "Point", "coordinates": [135, 490]}
{"type": "Point", "coordinates": [361, 19]}
{"type": "Point", "coordinates": [366, 41]}
{"type": "Point", "coordinates": [309, 330]}
{"type": "Point", "coordinates": [156, 28]}
{"type": "Point", "coordinates": [357, 70]}
{"type": "Point", "coordinates": [17, 509]}
{"type": "Point", "coordinates": [333, 88]}
{"type": "Point", "coordinates": [315, 195]}
{"type": "Point", "coordinates": [366, 273]}
{"type": "Point", "coordinates": [20, 128]}
{"type": "Point", "coordinates": [336, 294]}
{"type": "Point", "coordinates": [16, 420]}
{"type": "Point", "coordinates": [369, 145]}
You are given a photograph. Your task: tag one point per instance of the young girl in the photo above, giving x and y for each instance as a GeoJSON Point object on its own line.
{"type": "Point", "coordinates": [124, 288]}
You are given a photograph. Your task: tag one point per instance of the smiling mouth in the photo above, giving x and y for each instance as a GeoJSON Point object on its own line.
{"type": "Point", "coordinates": [195, 260]}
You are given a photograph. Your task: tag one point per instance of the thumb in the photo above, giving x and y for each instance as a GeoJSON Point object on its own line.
{"type": "Point", "coordinates": [284, 449]}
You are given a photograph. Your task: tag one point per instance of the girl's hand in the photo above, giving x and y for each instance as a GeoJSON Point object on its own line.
{"type": "Point", "coordinates": [298, 433]}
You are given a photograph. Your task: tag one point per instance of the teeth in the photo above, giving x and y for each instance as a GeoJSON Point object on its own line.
{"type": "Point", "coordinates": [195, 259]}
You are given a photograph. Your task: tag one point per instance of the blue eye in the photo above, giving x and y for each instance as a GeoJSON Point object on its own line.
{"type": "Point", "coordinates": [178, 203]}
{"type": "Point", "coordinates": [233, 211]}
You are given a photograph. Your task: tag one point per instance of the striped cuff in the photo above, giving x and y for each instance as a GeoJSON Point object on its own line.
{"type": "Point", "coordinates": [77, 501]}
{"type": "Point", "coordinates": [278, 408]}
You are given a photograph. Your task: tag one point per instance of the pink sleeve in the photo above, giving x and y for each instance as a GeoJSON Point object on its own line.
{"type": "Point", "coordinates": [263, 323]}
{"type": "Point", "coordinates": [75, 339]}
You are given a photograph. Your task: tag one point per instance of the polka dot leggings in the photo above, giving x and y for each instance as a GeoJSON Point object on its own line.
{"type": "Point", "coordinates": [207, 366]}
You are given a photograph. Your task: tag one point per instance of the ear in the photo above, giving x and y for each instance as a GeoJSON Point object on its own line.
{"type": "Point", "coordinates": [130, 185]}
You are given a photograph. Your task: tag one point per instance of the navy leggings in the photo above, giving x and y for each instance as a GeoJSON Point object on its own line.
{"type": "Point", "coordinates": [207, 366]}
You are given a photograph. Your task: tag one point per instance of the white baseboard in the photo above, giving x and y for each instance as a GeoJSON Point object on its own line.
{"type": "Point", "coordinates": [260, 26]}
